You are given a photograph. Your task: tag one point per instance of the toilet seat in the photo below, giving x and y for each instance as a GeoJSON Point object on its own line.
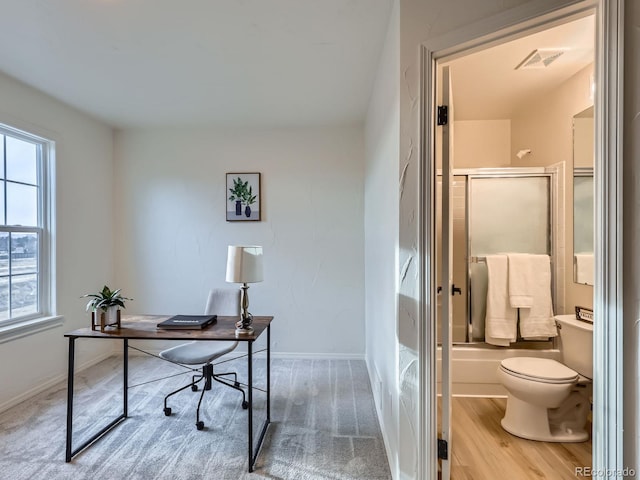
{"type": "Point", "coordinates": [541, 370]}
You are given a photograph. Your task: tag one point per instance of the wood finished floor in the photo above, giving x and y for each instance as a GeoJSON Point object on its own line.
{"type": "Point", "coordinates": [482, 450]}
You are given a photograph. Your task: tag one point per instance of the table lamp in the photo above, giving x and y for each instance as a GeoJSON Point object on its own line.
{"type": "Point", "coordinates": [244, 265]}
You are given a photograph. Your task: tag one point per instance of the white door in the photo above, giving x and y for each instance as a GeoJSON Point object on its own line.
{"type": "Point", "coordinates": [445, 125]}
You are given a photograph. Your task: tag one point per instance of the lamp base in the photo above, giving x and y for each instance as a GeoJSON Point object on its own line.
{"type": "Point", "coordinates": [243, 326]}
{"type": "Point", "coordinates": [244, 331]}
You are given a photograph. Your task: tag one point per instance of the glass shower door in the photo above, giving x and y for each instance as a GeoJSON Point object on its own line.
{"type": "Point", "coordinates": [459, 234]}
{"type": "Point", "coordinates": [506, 215]}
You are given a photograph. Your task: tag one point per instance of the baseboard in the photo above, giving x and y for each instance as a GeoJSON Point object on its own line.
{"type": "Point", "coordinates": [381, 424]}
{"type": "Point", "coordinates": [51, 382]}
{"type": "Point", "coordinates": [377, 401]}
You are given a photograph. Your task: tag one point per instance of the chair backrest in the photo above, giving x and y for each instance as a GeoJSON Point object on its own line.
{"type": "Point", "coordinates": [223, 301]}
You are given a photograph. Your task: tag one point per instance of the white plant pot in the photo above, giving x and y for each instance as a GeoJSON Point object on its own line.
{"type": "Point", "coordinates": [110, 316]}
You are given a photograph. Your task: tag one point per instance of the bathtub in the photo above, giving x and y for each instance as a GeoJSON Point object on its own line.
{"type": "Point", "coordinates": [475, 368]}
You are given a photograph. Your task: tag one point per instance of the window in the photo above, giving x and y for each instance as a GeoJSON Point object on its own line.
{"type": "Point", "coordinates": [25, 274]}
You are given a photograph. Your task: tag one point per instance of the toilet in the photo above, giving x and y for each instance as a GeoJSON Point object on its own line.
{"type": "Point", "coordinates": [548, 401]}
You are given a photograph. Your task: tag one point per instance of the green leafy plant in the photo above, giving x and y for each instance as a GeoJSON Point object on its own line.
{"type": "Point", "coordinates": [242, 191]}
{"type": "Point", "coordinates": [249, 198]}
{"type": "Point", "coordinates": [105, 299]}
{"type": "Point", "coordinates": [239, 189]}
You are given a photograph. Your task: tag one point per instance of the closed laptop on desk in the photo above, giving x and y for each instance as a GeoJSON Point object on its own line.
{"type": "Point", "coordinates": [188, 322]}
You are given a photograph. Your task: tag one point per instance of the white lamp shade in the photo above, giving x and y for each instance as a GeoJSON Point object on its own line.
{"type": "Point", "coordinates": [244, 264]}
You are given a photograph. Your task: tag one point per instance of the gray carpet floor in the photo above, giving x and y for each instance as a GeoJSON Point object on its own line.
{"type": "Point", "coordinates": [324, 426]}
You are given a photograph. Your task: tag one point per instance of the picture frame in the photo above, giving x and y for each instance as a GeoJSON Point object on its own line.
{"type": "Point", "coordinates": [242, 194]}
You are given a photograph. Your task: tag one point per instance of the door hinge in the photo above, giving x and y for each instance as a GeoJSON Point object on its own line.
{"type": "Point", "coordinates": [443, 115]}
{"type": "Point", "coordinates": [454, 289]}
{"type": "Point", "coordinates": [443, 449]}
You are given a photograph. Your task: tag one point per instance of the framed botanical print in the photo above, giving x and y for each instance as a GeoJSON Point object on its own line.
{"type": "Point", "coordinates": [243, 197]}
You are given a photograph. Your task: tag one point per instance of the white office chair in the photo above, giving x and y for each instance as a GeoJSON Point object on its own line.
{"type": "Point", "coordinates": [224, 302]}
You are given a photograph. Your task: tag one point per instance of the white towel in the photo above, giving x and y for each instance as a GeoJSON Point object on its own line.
{"type": "Point", "coordinates": [537, 323]}
{"type": "Point", "coordinates": [521, 275]}
{"type": "Point", "coordinates": [501, 320]}
{"type": "Point", "coordinates": [584, 268]}
{"type": "Point", "coordinates": [532, 294]}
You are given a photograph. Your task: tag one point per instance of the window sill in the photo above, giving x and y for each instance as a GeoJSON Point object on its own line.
{"type": "Point", "coordinates": [29, 327]}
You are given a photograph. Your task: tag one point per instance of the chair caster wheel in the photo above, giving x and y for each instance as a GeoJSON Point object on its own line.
{"type": "Point", "coordinates": [245, 405]}
{"type": "Point", "coordinates": [194, 388]}
{"type": "Point", "coordinates": [167, 411]}
{"type": "Point", "coordinates": [200, 425]}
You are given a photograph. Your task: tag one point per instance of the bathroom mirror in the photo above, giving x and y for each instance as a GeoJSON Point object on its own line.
{"type": "Point", "coordinates": [583, 192]}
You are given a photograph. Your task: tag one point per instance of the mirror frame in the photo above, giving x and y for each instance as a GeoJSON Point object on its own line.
{"type": "Point", "coordinates": [582, 171]}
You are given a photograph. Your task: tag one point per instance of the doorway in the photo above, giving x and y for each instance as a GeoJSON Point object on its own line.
{"type": "Point", "coordinates": [514, 106]}
{"type": "Point", "coordinates": [609, 331]}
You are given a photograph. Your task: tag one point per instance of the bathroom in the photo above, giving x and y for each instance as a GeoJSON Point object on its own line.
{"type": "Point", "coordinates": [522, 181]}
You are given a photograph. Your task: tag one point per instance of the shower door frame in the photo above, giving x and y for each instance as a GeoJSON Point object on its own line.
{"type": "Point", "coordinates": [551, 172]}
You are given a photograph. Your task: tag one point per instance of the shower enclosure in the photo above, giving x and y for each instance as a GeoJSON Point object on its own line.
{"type": "Point", "coordinates": [496, 211]}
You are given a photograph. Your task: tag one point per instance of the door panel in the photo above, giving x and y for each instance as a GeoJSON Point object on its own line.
{"type": "Point", "coordinates": [446, 270]}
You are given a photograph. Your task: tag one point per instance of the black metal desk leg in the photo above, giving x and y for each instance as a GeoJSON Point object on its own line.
{"type": "Point", "coordinates": [70, 451]}
{"type": "Point", "coordinates": [250, 383]}
{"type": "Point", "coordinates": [254, 451]}
{"type": "Point", "coordinates": [125, 369]}
{"type": "Point", "coordinates": [70, 397]}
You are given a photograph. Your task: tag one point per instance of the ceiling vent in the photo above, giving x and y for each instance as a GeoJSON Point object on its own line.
{"type": "Point", "coordinates": [540, 58]}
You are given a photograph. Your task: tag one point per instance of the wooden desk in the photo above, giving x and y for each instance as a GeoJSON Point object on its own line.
{"type": "Point", "coordinates": [143, 327]}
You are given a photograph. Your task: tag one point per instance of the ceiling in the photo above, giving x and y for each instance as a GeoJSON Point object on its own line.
{"type": "Point", "coordinates": [487, 86]}
{"type": "Point", "coordinates": [150, 63]}
{"type": "Point", "coordinates": [147, 63]}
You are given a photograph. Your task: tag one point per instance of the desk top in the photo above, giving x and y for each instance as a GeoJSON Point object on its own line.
{"type": "Point", "coordinates": [143, 327]}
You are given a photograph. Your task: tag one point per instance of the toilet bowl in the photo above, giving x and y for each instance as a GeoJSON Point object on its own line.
{"type": "Point", "coordinates": [547, 400]}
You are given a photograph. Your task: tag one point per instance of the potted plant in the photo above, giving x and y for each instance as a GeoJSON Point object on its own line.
{"type": "Point", "coordinates": [105, 306]}
{"type": "Point", "coordinates": [238, 193]}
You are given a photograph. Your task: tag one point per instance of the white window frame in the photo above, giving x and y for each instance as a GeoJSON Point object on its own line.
{"type": "Point", "coordinates": [45, 317]}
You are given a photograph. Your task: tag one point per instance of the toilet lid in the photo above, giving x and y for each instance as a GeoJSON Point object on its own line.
{"type": "Point", "coordinates": [541, 369]}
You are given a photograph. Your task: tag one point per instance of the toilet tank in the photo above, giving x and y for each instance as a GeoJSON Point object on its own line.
{"type": "Point", "coordinates": [576, 344]}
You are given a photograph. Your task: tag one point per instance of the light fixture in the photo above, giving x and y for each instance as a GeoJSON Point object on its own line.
{"type": "Point", "coordinates": [540, 58]}
{"type": "Point", "coordinates": [244, 265]}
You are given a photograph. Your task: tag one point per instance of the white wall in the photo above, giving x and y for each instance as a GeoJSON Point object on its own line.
{"type": "Point", "coordinates": [631, 252]}
{"type": "Point", "coordinates": [547, 127]}
{"type": "Point", "coordinates": [84, 175]}
{"type": "Point", "coordinates": [482, 143]}
{"type": "Point", "coordinates": [172, 237]}
{"type": "Point", "coordinates": [381, 233]}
